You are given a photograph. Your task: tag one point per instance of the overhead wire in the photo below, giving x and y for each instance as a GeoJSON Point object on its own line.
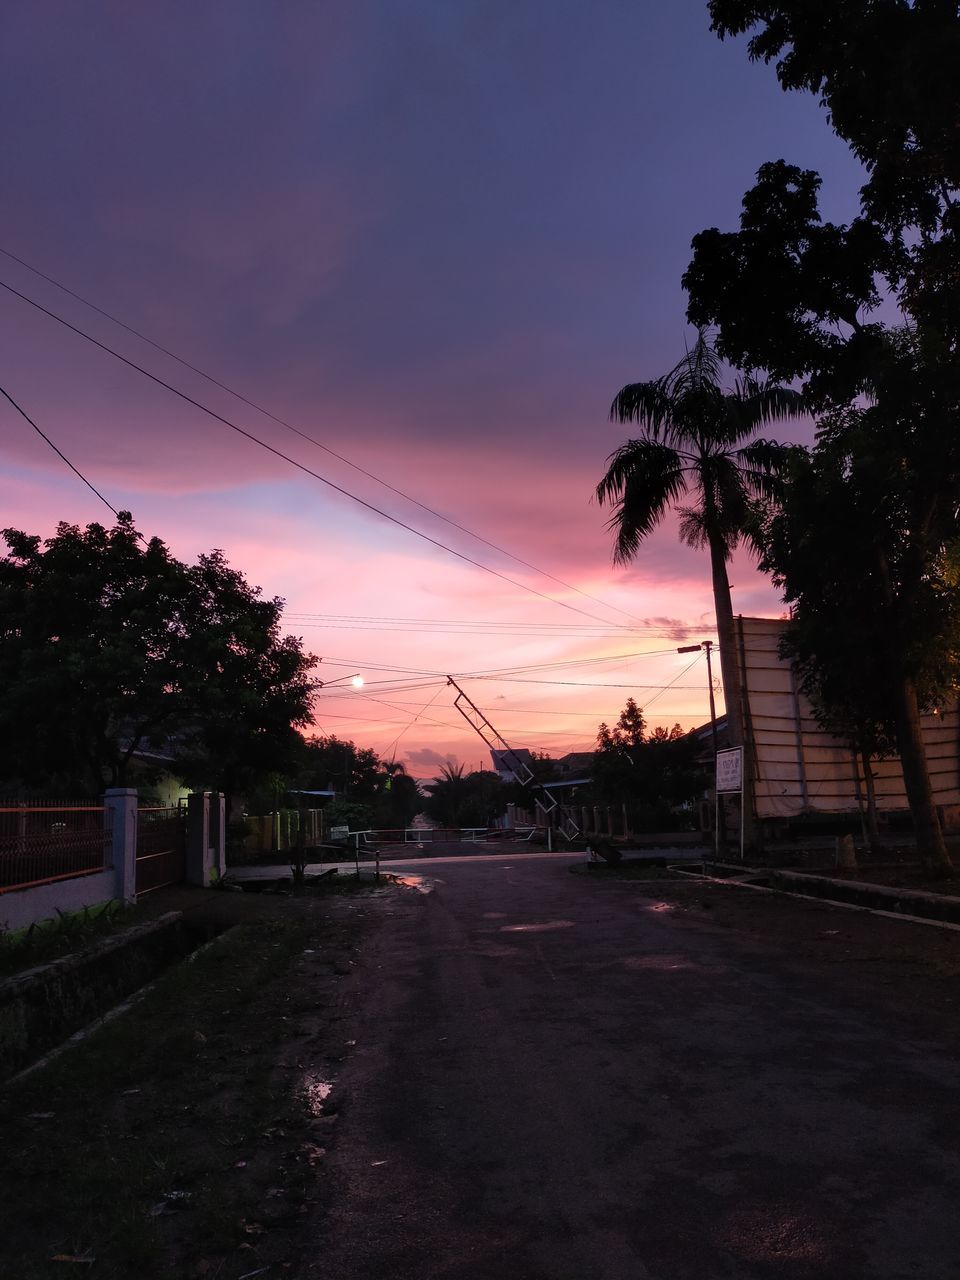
{"type": "Point", "coordinates": [285, 457]}
{"type": "Point", "coordinates": [489, 673]}
{"type": "Point", "coordinates": [319, 444]}
{"type": "Point", "coordinates": [59, 452]}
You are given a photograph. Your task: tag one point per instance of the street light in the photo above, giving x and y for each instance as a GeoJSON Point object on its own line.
{"type": "Point", "coordinates": [356, 680]}
{"type": "Point", "coordinates": [707, 645]}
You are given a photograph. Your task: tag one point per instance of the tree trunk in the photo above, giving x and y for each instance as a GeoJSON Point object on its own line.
{"type": "Point", "coordinates": [729, 667]}
{"type": "Point", "coordinates": [916, 780]}
{"type": "Point", "coordinates": [730, 675]}
{"type": "Point", "coordinates": [873, 827]}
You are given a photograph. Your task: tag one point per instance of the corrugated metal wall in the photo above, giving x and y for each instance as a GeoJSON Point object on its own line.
{"type": "Point", "coordinates": [800, 768]}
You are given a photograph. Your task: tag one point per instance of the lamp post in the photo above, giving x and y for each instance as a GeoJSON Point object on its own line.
{"type": "Point", "coordinates": [707, 646]}
{"type": "Point", "coordinates": [356, 680]}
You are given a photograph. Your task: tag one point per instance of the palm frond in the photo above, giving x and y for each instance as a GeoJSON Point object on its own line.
{"type": "Point", "coordinates": [692, 527]}
{"type": "Point", "coordinates": [700, 368]}
{"type": "Point", "coordinates": [643, 479]}
{"type": "Point", "coordinates": [724, 498]}
{"type": "Point", "coordinates": [643, 402]}
{"type": "Point", "coordinates": [761, 402]}
{"type": "Point", "coordinates": [763, 463]}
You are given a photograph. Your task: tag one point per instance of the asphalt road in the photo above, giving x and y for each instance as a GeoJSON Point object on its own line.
{"type": "Point", "coordinates": [558, 1079]}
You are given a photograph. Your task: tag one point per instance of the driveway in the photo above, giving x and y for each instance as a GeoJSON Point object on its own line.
{"type": "Point", "coordinates": [558, 1079]}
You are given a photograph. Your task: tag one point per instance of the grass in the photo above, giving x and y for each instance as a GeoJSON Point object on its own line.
{"type": "Point", "coordinates": [624, 871]}
{"type": "Point", "coordinates": [68, 932]}
{"type": "Point", "coordinates": [178, 1096]}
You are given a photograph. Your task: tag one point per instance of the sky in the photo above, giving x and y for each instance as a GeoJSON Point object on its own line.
{"type": "Point", "coordinates": [434, 236]}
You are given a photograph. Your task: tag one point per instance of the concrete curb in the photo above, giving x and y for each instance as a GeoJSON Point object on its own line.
{"type": "Point", "coordinates": [747, 877]}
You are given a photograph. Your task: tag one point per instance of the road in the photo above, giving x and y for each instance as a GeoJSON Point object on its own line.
{"type": "Point", "coordinates": [558, 1079]}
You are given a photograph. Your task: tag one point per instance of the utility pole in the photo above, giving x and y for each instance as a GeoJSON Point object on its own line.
{"type": "Point", "coordinates": [720, 835]}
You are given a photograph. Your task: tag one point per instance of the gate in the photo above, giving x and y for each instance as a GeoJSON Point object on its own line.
{"type": "Point", "coordinates": [161, 848]}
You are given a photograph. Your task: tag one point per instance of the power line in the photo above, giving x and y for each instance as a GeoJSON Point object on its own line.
{"type": "Point", "coordinates": [305, 436]}
{"type": "Point", "coordinates": [665, 629]}
{"type": "Point", "coordinates": [492, 673]}
{"type": "Point", "coordinates": [76, 471]}
{"type": "Point", "coordinates": [493, 630]}
{"type": "Point", "coordinates": [528, 711]}
{"type": "Point", "coordinates": [247, 435]}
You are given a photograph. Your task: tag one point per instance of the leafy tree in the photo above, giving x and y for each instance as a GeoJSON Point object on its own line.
{"type": "Point", "coordinates": [629, 731]}
{"type": "Point", "coordinates": [337, 764]}
{"type": "Point", "coordinates": [852, 660]}
{"type": "Point", "coordinates": [400, 798]}
{"type": "Point", "coordinates": [109, 645]}
{"type": "Point", "coordinates": [379, 792]}
{"type": "Point", "coordinates": [459, 799]}
{"type": "Point", "coordinates": [354, 814]}
{"type": "Point", "coordinates": [250, 685]}
{"type": "Point", "coordinates": [699, 455]}
{"type": "Point", "coordinates": [886, 73]}
{"type": "Point", "coordinates": [655, 775]}
{"type": "Point", "coordinates": [90, 667]}
{"type": "Point", "coordinates": [798, 297]}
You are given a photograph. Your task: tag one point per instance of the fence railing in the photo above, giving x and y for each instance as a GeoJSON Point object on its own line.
{"type": "Point", "coordinates": [438, 835]}
{"type": "Point", "coordinates": [52, 840]}
{"type": "Point", "coordinates": [161, 847]}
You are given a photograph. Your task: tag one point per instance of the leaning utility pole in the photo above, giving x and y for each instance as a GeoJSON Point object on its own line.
{"type": "Point", "coordinates": [544, 801]}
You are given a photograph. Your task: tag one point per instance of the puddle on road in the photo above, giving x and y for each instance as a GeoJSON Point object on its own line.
{"type": "Point", "coordinates": [420, 883]}
{"type": "Point", "coordinates": [663, 963]}
{"type": "Point", "coordinates": [546, 926]}
{"type": "Point", "coordinates": [662, 906]}
{"type": "Point", "coordinates": [316, 1092]}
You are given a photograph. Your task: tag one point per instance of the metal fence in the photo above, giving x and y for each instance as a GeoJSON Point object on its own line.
{"type": "Point", "coordinates": [49, 840]}
{"type": "Point", "coordinates": [161, 847]}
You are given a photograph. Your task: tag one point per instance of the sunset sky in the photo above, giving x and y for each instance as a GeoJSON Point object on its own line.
{"type": "Point", "coordinates": [435, 235]}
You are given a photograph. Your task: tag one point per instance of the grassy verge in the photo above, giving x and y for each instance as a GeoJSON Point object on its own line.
{"type": "Point", "coordinates": [162, 1147]}
{"type": "Point", "coordinates": [624, 871]}
{"type": "Point", "coordinates": [68, 932]}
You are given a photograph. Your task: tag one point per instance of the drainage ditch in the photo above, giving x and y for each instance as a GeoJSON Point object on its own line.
{"type": "Point", "coordinates": [43, 1007]}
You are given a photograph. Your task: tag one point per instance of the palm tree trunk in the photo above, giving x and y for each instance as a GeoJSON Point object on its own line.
{"type": "Point", "coordinates": [730, 673]}
{"type": "Point", "coordinates": [729, 668]}
{"type": "Point", "coordinates": [916, 780]}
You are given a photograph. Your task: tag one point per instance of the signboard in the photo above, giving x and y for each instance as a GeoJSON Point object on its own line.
{"type": "Point", "coordinates": [339, 833]}
{"type": "Point", "coordinates": [730, 770]}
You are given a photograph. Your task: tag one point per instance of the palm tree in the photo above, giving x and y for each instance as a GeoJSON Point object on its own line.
{"type": "Point", "coordinates": [699, 455]}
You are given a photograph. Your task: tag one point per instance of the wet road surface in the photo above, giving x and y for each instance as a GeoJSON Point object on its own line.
{"type": "Point", "coordinates": [558, 1079]}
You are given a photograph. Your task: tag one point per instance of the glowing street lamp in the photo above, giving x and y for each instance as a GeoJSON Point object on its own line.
{"type": "Point", "coordinates": [356, 680]}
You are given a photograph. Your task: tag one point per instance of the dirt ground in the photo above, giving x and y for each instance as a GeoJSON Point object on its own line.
{"type": "Point", "coordinates": [188, 1138]}
{"type": "Point", "coordinates": [916, 966]}
{"type": "Point", "coordinates": [185, 1138]}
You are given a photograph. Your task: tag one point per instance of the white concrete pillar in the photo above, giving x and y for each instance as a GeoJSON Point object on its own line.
{"type": "Point", "coordinates": [217, 857]}
{"type": "Point", "coordinates": [198, 837]}
{"type": "Point", "coordinates": [120, 804]}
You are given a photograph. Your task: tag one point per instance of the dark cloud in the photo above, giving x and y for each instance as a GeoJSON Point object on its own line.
{"type": "Point", "coordinates": [427, 756]}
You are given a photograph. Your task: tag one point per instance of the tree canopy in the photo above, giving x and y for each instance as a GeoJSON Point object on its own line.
{"type": "Point", "coordinates": [380, 793]}
{"type": "Point", "coordinates": [461, 799]}
{"type": "Point", "coordinates": [657, 775]}
{"type": "Point", "coordinates": [698, 453]}
{"type": "Point", "coordinates": [867, 314]}
{"type": "Point", "coordinates": [111, 647]}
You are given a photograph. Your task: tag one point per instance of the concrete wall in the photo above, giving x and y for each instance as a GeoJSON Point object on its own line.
{"type": "Point", "coordinates": [23, 907]}
{"type": "Point", "coordinates": [205, 863]}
